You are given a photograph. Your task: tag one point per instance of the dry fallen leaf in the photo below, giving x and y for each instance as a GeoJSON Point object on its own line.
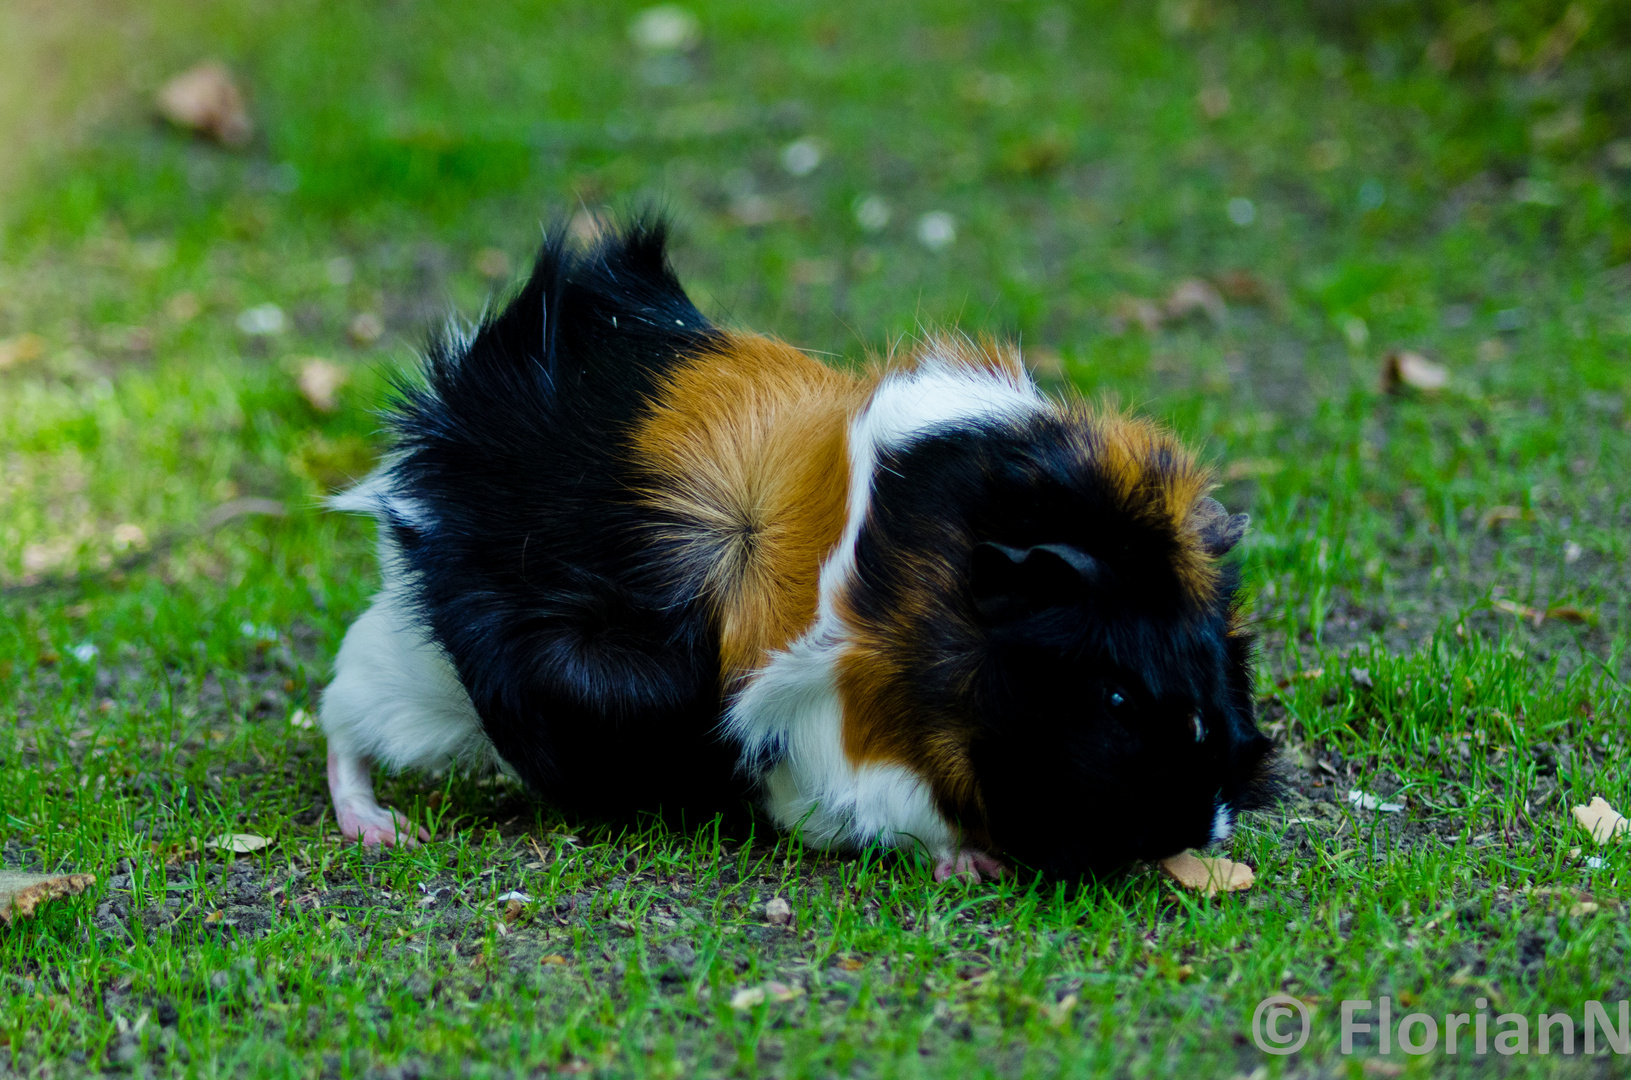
{"type": "Point", "coordinates": [21, 894]}
{"type": "Point", "coordinates": [205, 100]}
{"type": "Point", "coordinates": [1205, 874]}
{"type": "Point", "coordinates": [751, 996]}
{"type": "Point", "coordinates": [748, 997]}
{"type": "Point", "coordinates": [778, 912]}
{"type": "Point", "coordinates": [1601, 820]}
{"type": "Point", "coordinates": [585, 227]}
{"type": "Point", "coordinates": [1059, 1014]}
{"type": "Point", "coordinates": [1366, 801]}
{"type": "Point", "coordinates": [1402, 368]}
{"type": "Point", "coordinates": [21, 350]}
{"type": "Point", "coordinates": [239, 843]}
{"type": "Point", "coordinates": [1193, 295]}
{"type": "Point", "coordinates": [366, 328]}
{"type": "Point", "coordinates": [1522, 611]}
{"type": "Point", "coordinates": [320, 381]}
{"type": "Point", "coordinates": [1500, 515]}
{"type": "Point", "coordinates": [1245, 287]}
{"type": "Point", "coordinates": [1127, 310]}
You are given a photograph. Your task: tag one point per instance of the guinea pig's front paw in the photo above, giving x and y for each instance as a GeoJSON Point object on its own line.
{"type": "Point", "coordinates": [371, 824]}
{"type": "Point", "coordinates": [970, 865]}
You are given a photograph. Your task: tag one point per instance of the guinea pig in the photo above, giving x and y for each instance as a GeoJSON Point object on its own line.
{"type": "Point", "coordinates": [639, 560]}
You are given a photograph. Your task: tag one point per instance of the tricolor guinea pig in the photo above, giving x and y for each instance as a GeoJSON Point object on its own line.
{"type": "Point", "coordinates": [642, 561]}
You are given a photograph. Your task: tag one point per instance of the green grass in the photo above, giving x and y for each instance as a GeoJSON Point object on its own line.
{"type": "Point", "coordinates": [1394, 205]}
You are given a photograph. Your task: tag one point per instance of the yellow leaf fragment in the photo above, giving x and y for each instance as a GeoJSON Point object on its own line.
{"type": "Point", "coordinates": [205, 100]}
{"type": "Point", "coordinates": [749, 997]}
{"type": "Point", "coordinates": [1403, 369]}
{"type": "Point", "coordinates": [320, 381]}
{"type": "Point", "coordinates": [1208, 875]}
{"type": "Point", "coordinates": [1496, 516]}
{"type": "Point", "coordinates": [1522, 611]}
{"type": "Point", "coordinates": [21, 894]}
{"type": "Point", "coordinates": [1601, 820]}
{"type": "Point", "coordinates": [239, 843]}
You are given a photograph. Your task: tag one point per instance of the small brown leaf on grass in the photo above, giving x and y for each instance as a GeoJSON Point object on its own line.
{"type": "Point", "coordinates": [1522, 611]}
{"type": "Point", "coordinates": [1403, 369]}
{"type": "Point", "coordinates": [751, 996]}
{"type": "Point", "coordinates": [1208, 875]}
{"type": "Point", "coordinates": [21, 349]}
{"type": "Point", "coordinates": [205, 101]}
{"type": "Point", "coordinates": [21, 894]}
{"type": "Point", "coordinates": [365, 328]}
{"type": "Point", "coordinates": [1128, 310]}
{"type": "Point", "coordinates": [1193, 296]}
{"type": "Point", "coordinates": [320, 381]}
{"type": "Point", "coordinates": [1500, 515]}
{"type": "Point", "coordinates": [1245, 287]}
{"type": "Point", "coordinates": [238, 843]}
{"type": "Point", "coordinates": [1601, 820]}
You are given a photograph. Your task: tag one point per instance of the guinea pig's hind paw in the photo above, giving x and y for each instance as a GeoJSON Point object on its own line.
{"type": "Point", "coordinates": [969, 865]}
{"type": "Point", "coordinates": [371, 824]}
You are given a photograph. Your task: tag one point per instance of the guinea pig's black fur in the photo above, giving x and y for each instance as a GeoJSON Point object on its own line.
{"type": "Point", "coordinates": [641, 561]}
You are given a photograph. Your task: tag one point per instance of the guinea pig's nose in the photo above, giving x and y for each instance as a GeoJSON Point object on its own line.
{"type": "Point", "coordinates": [1198, 725]}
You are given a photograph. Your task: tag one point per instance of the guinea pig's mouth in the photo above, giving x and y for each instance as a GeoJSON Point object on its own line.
{"type": "Point", "coordinates": [1107, 835]}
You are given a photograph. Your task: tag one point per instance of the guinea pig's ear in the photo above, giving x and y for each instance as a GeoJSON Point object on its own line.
{"type": "Point", "coordinates": [1219, 531]}
{"type": "Point", "coordinates": [1008, 581]}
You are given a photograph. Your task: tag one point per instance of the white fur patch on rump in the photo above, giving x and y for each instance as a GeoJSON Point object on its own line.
{"type": "Point", "coordinates": [791, 707]}
{"type": "Point", "coordinates": [396, 698]}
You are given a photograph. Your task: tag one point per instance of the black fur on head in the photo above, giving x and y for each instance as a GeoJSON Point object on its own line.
{"type": "Point", "coordinates": [1087, 648]}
